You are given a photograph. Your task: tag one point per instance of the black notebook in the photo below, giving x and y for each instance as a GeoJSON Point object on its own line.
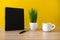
{"type": "Point", "coordinates": [14, 18]}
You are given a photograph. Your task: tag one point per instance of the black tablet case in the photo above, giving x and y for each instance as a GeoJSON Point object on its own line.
{"type": "Point", "coordinates": [14, 18]}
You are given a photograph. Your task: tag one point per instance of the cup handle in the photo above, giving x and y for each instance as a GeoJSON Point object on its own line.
{"type": "Point", "coordinates": [53, 27]}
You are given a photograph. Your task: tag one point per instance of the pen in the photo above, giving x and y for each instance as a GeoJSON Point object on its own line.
{"type": "Point", "coordinates": [22, 32]}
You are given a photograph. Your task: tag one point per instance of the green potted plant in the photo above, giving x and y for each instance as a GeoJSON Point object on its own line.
{"type": "Point", "coordinates": [33, 19]}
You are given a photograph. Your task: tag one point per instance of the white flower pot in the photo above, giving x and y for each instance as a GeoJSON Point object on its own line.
{"type": "Point", "coordinates": [33, 26]}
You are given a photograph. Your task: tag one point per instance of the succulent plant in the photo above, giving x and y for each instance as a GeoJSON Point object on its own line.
{"type": "Point", "coordinates": [33, 15]}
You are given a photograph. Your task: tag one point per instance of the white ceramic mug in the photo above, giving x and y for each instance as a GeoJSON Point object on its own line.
{"type": "Point", "coordinates": [48, 26]}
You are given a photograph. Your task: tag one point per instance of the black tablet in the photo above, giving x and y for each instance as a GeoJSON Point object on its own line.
{"type": "Point", "coordinates": [14, 18]}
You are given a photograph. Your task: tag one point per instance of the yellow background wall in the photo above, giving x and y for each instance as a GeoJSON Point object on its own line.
{"type": "Point", "coordinates": [48, 10]}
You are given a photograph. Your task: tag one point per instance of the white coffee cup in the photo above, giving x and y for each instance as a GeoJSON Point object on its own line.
{"type": "Point", "coordinates": [48, 26]}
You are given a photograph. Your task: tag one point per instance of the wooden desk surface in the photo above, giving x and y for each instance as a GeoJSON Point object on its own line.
{"type": "Point", "coordinates": [30, 35]}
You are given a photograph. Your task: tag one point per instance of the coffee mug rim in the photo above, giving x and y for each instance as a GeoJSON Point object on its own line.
{"type": "Point", "coordinates": [46, 23]}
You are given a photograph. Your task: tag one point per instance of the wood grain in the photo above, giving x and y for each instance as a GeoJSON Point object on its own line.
{"type": "Point", "coordinates": [30, 35]}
